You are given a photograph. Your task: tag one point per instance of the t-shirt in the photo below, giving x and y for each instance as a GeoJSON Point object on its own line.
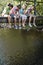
{"type": "Point", "coordinates": [29, 11]}
{"type": "Point", "coordinates": [21, 11]}
{"type": "Point", "coordinates": [13, 10]}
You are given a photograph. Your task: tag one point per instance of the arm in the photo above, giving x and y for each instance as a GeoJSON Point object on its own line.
{"type": "Point", "coordinates": [4, 12]}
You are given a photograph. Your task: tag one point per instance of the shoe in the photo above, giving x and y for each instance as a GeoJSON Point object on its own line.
{"type": "Point", "coordinates": [16, 27]}
{"type": "Point", "coordinates": [20, 27]}
{"type": "Point", "coordinates": [34, 24]}
{"type": "Point", "coordinates": [30, 25]}
{"type": "Point", "coordinates": [9, 26]}
{"type": "Point", "coordinates": [12, 26]}
{"type": "Point", "coordinates": [42, 29]}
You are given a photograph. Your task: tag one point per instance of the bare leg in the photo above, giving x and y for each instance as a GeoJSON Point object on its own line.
{"type": "Point", "coordinates": [23, 22]}
{"type": "Point", "coordinates": [30, 18]}
{"type": "Point", "coordinates": [9, 21]}
{"type": "Point", "coordinates": [34, 21]}
{"type": "Point", "coordinates": [19, 21]}
{"type": "Point", "coordinates": [15, 21]}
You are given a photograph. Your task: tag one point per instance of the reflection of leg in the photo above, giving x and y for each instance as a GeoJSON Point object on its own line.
{"type": "Point", "coordinates": [30, 18]}
{"type": "Point", "coordinates": [34, 21]}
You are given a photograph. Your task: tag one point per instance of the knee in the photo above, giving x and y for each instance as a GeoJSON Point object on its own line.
{"type": "Point", "coordinates": [9, 17]}
{"type": "Point", "coordinates": [15, 17]}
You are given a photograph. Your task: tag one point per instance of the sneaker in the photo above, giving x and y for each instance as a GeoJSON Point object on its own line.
{"type": "Point", "coordinates": [42, 29]}
{"type": "Point", "coordinates": [9, 26]}
{"type": "Point", "coordinates": [16, 27]}
{"type": "Point", "coordinates": [34, 24]}
{"type": "Point", "coordinates": [20, 27]}
{"type": "Point", "coordinates": [12, 26]}
{"type": "Point", "coordinates": [30, 25]}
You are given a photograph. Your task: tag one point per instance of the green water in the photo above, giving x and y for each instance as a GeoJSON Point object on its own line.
{"type": "Point", "coordinates": [19, 47]}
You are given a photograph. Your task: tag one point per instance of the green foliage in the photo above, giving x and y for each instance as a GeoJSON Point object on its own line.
{"type": "Point", "coordinates": [39, 7]}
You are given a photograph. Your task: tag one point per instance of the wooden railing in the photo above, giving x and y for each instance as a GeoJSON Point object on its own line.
{"type": "Point", "coordinates": [38, 20]}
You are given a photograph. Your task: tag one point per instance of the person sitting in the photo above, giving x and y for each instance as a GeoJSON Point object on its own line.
{"type": "Point", "coordinates": [28, 13]}
{"type": "Point", "coordinates": [22, 15]}
{"type": "Point", "coordinates": [13, 14]}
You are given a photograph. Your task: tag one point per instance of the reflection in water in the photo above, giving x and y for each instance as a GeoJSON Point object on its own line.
{"type": "Point", "coordinates": [19, 47]}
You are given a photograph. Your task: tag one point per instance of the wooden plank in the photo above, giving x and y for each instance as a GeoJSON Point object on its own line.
{"type": "Point", "coordinates": [5, 19]}
{"type": "Point", "coordinates": [39, 17]}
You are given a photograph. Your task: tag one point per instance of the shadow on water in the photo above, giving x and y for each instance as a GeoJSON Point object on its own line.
{"type": "Point", "coordinates": [19, 47]}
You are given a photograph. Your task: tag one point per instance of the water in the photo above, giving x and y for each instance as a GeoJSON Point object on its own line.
{"type": "Point", "coordinates": [19, 47]}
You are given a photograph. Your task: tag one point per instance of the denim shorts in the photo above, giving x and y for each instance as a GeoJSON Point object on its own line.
{"type": "Point", "coordinates": [12, 15]}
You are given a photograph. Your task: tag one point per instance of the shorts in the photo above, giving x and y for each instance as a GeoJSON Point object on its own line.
{"type": "Point", "coordinates": [12, 15]}
{"type": "Point", "coordinates": [23, 16]}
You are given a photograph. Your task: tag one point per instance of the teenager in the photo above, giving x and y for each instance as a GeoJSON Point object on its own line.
{"type": "Point", "coordinates": [22, 15]}
{"type": "Point", "coordinates": [13, 14]}
{"type": "Point", "coordinates": [29, 13]}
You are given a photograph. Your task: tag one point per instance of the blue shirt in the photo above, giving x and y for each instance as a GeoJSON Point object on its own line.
{"type": "Point", "coordinates": [21, 11]}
